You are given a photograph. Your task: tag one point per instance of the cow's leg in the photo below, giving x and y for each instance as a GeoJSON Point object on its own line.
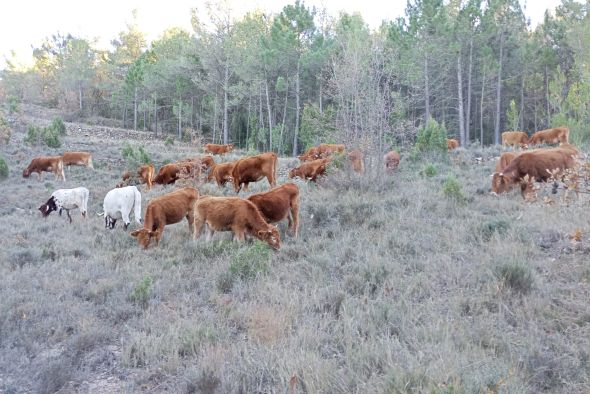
{"type": "Point", "coordinates": [295, 215]}
{"type": "Point", "coordinates": [210, 233]}
{"type": "Point", "coordinates": [238, 234]}
{"type": "Point", "coordinates": [197, 227]}
{"type": "Point", "coordinates": [191, 221]}
{"type": "Point", "coordinates": [126, 220]}
{"type": "Point", "coordinates": [69, 217]}
{"type": "Point", "coordinates": [246, 187]}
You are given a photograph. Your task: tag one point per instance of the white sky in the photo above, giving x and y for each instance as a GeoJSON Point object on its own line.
{"type": "Point", "coordinates": [25, 23]}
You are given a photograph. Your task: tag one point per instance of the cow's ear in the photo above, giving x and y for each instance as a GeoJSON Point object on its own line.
{"type": "Point", "coordinates": [134, 233]}
{"type": "Point", "coordinates": [261, 233]}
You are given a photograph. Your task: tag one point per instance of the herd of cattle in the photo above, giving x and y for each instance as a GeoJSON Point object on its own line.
{"type": "Point", "coordinates": [256, 214]}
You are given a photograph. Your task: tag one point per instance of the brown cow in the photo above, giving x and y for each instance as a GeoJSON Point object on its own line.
{"type": "Point", "coordinates": [452, 143]}
{"type": "Point", "coordinates": [515, 138]}
{"type": "Point", "coordinates": [310, 169]}
{"type": "Point", "coordinates": [216, 149]}
{"type": "Point", "coordinates": [145, 174]}
{"type": "Point", "coordinates": [233, 214]}
{"type": "Point", "coordinates": [253, 169]}
{"type": "Point", "coordinates": [326, 150]}
{"type": "Point", "coordinates": [206, 162]}
{"type": "Point", "coordinates": [504, 160]}
{"type": "Point", "coordinates": [357, 161]}
{"type": "Point", "coordinates": [550, 136]}
{"type": "Point", "coordinates": [312, 153]}
{"type": "Point", "coordinates": [167, 209]}
{"type": "Point", "coordinates": [40, 164]}
{"type": "Point", "coordinates": [391, 160]}
{"type": "Point", "coordinates": [78, 159]}
{"type": "Point", "coordinates": [221, 173]}
{"type": "Point", "coordinates": [167, 174]}
{"type": "Point", "coordinates": [536, 164]}
{"type": "Point", "coordinates": [279, 203]}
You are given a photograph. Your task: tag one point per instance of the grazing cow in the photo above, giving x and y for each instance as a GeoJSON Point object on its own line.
{"type": "Point", "coordinates": [253, 169]}
{"type": "Point", "coordinates": [118, 204]}
{"type": "Point", "coordinates": [221, 173]}
{"type": "Point", "coordinates": [504, 160]}
{"type": "Point", "coordinates": [167, 174]}
{"type": "Point", "coordinates": [233, 214]}
{"type": "Point", "coordinates": [53, 164]}
{"type": "Point", "coordinates": [326, 150]}
{"type": "Point", "coordinates": [145, 174]}
{"type": "Point", "coordinates": [515, 138]}
{"type": "Point", "coordinates": [550, 136]}
{"type": "Point", "coordinates": [391, 160]}
{"type": "Point", "coordinates": [310, 169]}
{"type": "Point", "coordinates": [357, 161]}
{"type": "Point", "coordinates": [279, 203]}
{"type": "Point", "coordinates": [536, 164]}
{"type": "Point", "coordinates": [78, 159]}
{"type": "Point", "coordinates": [167, 209]}
{"type": "Point", "coordinates": [205, 162]}
{"type": "Point", "coordinates": [312, 153]}
{"type": "Point", "coordinates": [452, 144]}
{"type": "Point", "coordinates": [66, 199]}
{"type": "Point", "coordinates": [216, 149]}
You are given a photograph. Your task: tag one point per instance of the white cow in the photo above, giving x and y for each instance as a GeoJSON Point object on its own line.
{"type": "Point", "coordinates": [66, 199]}
{"type": "Point", "coordinates": [118, 204]}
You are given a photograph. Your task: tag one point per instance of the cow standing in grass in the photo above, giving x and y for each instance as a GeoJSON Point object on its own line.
{"type": "Point", "coordinates": [279, 204]}
{"type": "Point", "coordinates": [118, 204]}
{"type": "Point", "coordinates": [391, 160]}
{"type": "Point", "coordinates": [253, 169]}
{"type": "Point", "coordinates": [78, 159]}
{"type": "Point", "coordinates": [66, 199]}
{"type": "Point", "coordinates": [550, 136]}
{"type": "Point", "coordinates": [41, 164]}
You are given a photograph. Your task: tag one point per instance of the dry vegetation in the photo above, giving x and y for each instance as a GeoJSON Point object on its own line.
{"type": "Point", "coordinates": [410, 283]}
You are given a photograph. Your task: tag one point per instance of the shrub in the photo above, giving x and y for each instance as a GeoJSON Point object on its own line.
{"type": "Point", "coordinates": [429, 170]}
{"type": "Point", "coordinates": [58, 126]}
{"type": "Point", "coordinates": [142, 292]}
{"type": "Point", "coordinates": [33, 136]}
{"type": "Point", "coordinates": [249, 262]}
{"type": "Point", "coordinates": [135, 157]}
{"type": "Point", "coordinates": [169, 141]}
{"type": "Point", "coordinates": [489, 228]}
{"type": "Point", "coordinates": [431, 138]}
{"type": "Point", "coordinates": [5, 130]}
{"type": "Point", "coordinates": [3, 168]}
{"type": "Point", "coordinates": [452, 189]}
{"type": "Point", "coordinates": [51, 137]}
{"type": "Point", "coordinates": [517, 276]}
{"type": "Point", "coordinates": [48, 135]}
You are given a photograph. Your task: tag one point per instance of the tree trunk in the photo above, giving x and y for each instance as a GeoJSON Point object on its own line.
{"type": "Point", "coordinates": [460, 92]}
{"type": "Point", "coordinates": [269, 115]}
{"type": "Point", "coordinates": [225, 104]}
{"type": "Point", "coordinates": [468, 111]}
{"type": "Point", "coordinates": [80, 96]}
{"type": "Point", "coordinates": [156, 113]}
{"type": "Point", "coordinates": [297, 110]}
{"type": "Point", "coordinates": [180, 118]}
{"type": "Point", "coordinates": [193, 112]}
{"type": "Point", "coordinates": [521, 116]}
{"type": "Point", "coordinates": [499, 92]}
{"type": "Point", "coordinates": [321, 102]}
{"type": "Point", "coordinates": [135, 108]}
{"type": "Point", "coordinates": [248, 121]}
{"type": "Point", "coordinates": [426, 91]}
{"type": "Point", "coordinates": [483, 84]}
{"type": "Point", "coordinates": [548, 115]}
{"type": "Point", "coordinates": [284, 117]}
{"type": "Point", "coordinates": [261, 112]}
{"type": "Point", "coordinates": [214, 118]}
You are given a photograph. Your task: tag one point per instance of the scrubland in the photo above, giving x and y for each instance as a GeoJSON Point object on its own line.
{"type": "Point", "coordinates": [393, 286]}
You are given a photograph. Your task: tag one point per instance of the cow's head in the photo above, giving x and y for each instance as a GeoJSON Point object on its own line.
{"type": "Point", "coordinates": [48, 207]}
{"type": "Point", "coordinates": [26, 173]}
{"type": "Point", "coordinates": [144, 236]}
{"type": "Point", "coordinates": [294, 172]}
{"type": "Point", "coordinates": [501, 183]}
{"type": "Point", "coordinates": [230, 147]}
{"type": "Point", "coordinates": [271, 236]}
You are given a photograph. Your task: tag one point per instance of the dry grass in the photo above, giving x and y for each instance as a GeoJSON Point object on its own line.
{"type": "Point", "coordinates": [391, 287]}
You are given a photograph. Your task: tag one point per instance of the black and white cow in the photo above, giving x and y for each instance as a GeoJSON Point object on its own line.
{"type": "Point", "coordinates": [66, 199]}
{"type": "Point", "coordinates": [118, 204]}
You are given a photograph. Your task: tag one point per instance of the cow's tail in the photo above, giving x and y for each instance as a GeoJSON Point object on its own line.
{"type": "Point", "coordinates": [60, 169]}
{"type": "Point", "coordinates": [99, 213]}
{"type": "Point", "coordinates": [90, 165]}
{"type": "Point", "coordinates": [137, 206]}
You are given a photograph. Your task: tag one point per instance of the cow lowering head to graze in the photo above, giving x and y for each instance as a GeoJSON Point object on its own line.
{"type": "Point", "coordinates": [312, 153]}
{"type": "Point", "coordinates": [550, 136]}
{"type": "Point", "coordinates": [167, 209]}
{"type": "Point", "coordinates": [41, 164]}
{"type": "Point", "coordinates": [504, 160]}
{"type": "Point", "coordinates": [279, 203]}
{"type": "Point", "coordinates": [391, 160]}
{"type": "Point", "coordinates": [221, 173]}
{"type": "Point", "coordinates": [204, 162]}
{"type": "Point", "coordinates": [357, 161]}
{"type": "Point", "coordinates": [78, 159]}
{"type": "Point", "coordinates": [536, 164]}
{"type": "Point", "coordinates": [118, 204]}
{"type": "Point", "coordinates": [310, 170]}
{"type": "Point", "coordinates": [515, 138]}
{"type": "Point", "coordinates": [145, 174]}
{"type": "Point", "coordinates": [452, 144]}
{"type": "Point", "coordinates": [167, 174]}
{"type": "Point", "coordinates": [66, 199]}
{"type": "Point", "coordinates": [233, 214]}
{"type": "Point", "coordinates": [253, 169]}
{"type": "Point", "coordinates": [326, 150]}
{"type": "Point", "coordinates": [217, 149]}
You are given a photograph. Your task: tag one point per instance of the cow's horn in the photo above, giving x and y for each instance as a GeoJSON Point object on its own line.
{"type": "Point", "coordinates": [100, 214]}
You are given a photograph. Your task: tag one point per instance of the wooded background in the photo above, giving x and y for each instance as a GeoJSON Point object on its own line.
{"type": "Point", "coordinates": [283, 82]}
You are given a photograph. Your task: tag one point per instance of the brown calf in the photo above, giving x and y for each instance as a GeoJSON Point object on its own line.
{"type": "Point", "coordinates": [452, 143]}
{"type": "Point", "coordinates": [550, 136]}
{"type": "Point", "coordinates": [221, 173]}
{"type": "Point", "coordinates": [279, 203]}
{"type": "Point", "coordinates": [253, 169]}
{"type": "Point", "coordinates": [41, 164]}
{"type": "Point", "coordinates": [216, 149]}
{"type": "Point", "coordinates": [78, 159]}
{"type": "Point", "coordinates": [310, 170]}
{"type": "Point", "coordinates": [515, 138]}
{"type": "Point", "coordinates": [391, 160]}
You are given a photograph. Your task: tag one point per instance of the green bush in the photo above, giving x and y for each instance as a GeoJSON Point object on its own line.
{"type": "Point", "coordinates": [5, 130]}
{"type": "Point", "coordinates": [429, 170]}
{"type": "Point", "coordinates": [58, 126]}
{"type": "Point", "coordinates": [142, 292]}
{"type": "Point", "coordinates": [517, 276]}
{"type": "Point", "coordinates": [250, 262]}
{"type": "Point", "coordinates": [169, 141]}
{"type": "Point", "coordinates": [51, 137]}
{"type": "Point", "coordinates": [47, 135]}
{"type": "Point", "coordinates": [33, 136]}
{"type": "Point", "coordinates": [3, 168]}
{"type": "Point", "coordinates": [452, 189]}
{"type": "Point", "coordinates": [432, 137]}
{"type": "Point", "coordinates": [489, 228]}
{"type": "Point", "coordinates": [135, 157]}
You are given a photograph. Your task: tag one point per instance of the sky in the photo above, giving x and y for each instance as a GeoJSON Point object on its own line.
{"type": "Point", "coordinates": [25, 23]}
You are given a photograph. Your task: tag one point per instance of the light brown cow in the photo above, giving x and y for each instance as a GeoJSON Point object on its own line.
{"type": "Point", "coordinates": [515, 138]}
{"type": "Point", "coordinates": [233, 214]}
{"type": "Point", "coordinates": [504, 160]}
{"type": "Point", "coordinates": [452, 143]}
{"type": "Point", "coordinates": [550, 136]}
{"type": "Point", "coordinates": [167, 174]}
{"type": "Point", "coordinates": [279, 203]}
{"type": "Point", "coordinates": [310, 170]}
{"type": "Point", "coordinates": [253, 169]}
{"type": "Point", "coordinates": [206, 162]}
{"type": "Point", "coordinates": [78, 159]}
{"type": "Point", "coordinates": [221, 173]}
{"type": "Point", "coordinates": [357, 161]}
{"type": "Point", "coordinates": [41, 164]}
{"type": "Point", "coordinates": [326, 150]}
{"type": "Point", "coordinates": [167, 209]}
{"type": "Point", "coordinates": [145, 174]}
{"type": "Point", "coordinates": [217, 149]}
{"type": "Point", "coordinates": [536, 164]}
{"type": "Point", "coordinates": [312, 153]}
{"type": "Point", "coordinates": [391, 160]}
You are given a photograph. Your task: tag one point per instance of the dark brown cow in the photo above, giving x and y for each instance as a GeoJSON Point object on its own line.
{"type": "Point", "coordinates": [279, 203]}
{"type": "Point", "coordinates": [515, 138]}
{"type": "Point", "coordinates": [310, 170]}
{"type": "Point", "coordinates": [41, 164]}
{"type": "Point", "coordinates": [550, 136]}
{"type": "Point", "coordinates": [391, 160]}
{"type": "Point", "coordinates": [504, 160]}
{"type": "Point", "coordinates": [167, 174]}
{"type": "Point", "coordinates": [326, 150]}
{"type": "Point", "coordinates": [145, 174]}
{"type": "Point", "coordinates": [357, 161]}
{"type": "Point", "coordinates": [312, 153]}
{"type": "Point", "coordinates": [167, 209]}
{"type": "Point", "coordinates": [452, 143]}
{"type": "Point", "coordinates": [206, 162]}
{"type": "Point", "coordinates": [536, 164]}
{"type": "Point", "coordinates": [221, 173]}
{"type": "Point", "coordinates": [217, 149]}
{"type": "Point", "coordinates": [78, 159]}
{"type": "Point", "coordinates": [233, 214]}
{"type": "Point", "coordinates": [253, 169]}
